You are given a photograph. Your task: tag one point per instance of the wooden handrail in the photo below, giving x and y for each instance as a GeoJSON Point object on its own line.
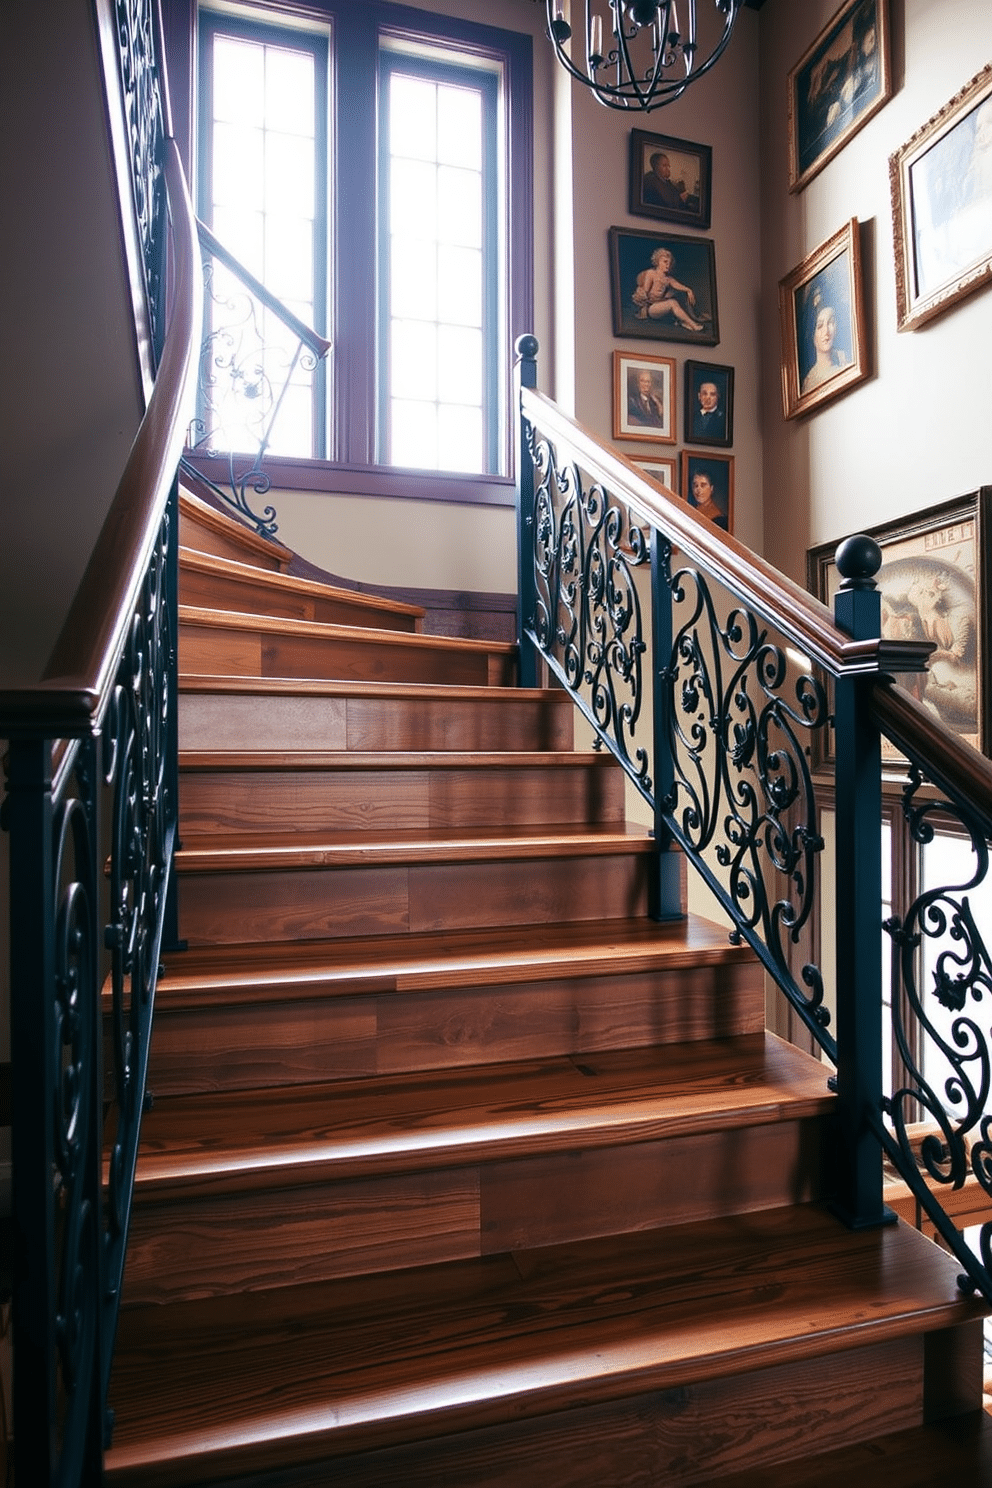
{"type": "Point", "coordinates": [952, 765]}
{"type": "Point", "coordinates": [802, 620]}
{"type": "Point", "coordinates": [318, 344]}
{"type": "Point", "coordinates": [69, 700]}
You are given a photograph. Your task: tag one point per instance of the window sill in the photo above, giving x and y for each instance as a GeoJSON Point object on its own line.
{"type": "Point", "coordinates": [288, 474]}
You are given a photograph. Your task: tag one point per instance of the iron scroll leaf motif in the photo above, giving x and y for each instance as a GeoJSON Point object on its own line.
{"type": "Point", "coordinates": [942, 972]}
{"type": "Point", "coordinates": [587, 618]}
{"type": "Point", "coordinates": [742, 802]}
{"type": "Point", "coordinates": [146, 148]}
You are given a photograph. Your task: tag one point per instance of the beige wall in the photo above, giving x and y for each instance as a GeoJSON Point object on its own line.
{"type": "Point", "coordinates": [919, 431]}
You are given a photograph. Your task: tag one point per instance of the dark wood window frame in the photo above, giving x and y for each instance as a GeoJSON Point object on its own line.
{"type": "Point", "coordinates": [356, 27]}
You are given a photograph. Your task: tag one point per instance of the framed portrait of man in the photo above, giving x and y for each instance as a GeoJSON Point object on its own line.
{"type": "Point", "coordinates": [709, 403]}
{"type": "Point", "coordinates": [707, 485]}
{"type": "Point", "coordinates": [670, 179]}
{"type": "Point", "coordinates": [643, 397]}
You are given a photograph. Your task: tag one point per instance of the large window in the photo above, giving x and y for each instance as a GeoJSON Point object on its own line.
{"type": "Point", "coordinates": [360, 159]}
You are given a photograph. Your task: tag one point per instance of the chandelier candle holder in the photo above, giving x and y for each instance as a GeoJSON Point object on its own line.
{"type": "Point", "coordinates": [640, 54]}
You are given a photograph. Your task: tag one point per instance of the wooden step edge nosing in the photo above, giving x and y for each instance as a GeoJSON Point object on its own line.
{"type": "Point", "coordinates": [196, 510]}
{"type": "Point", "coordinates": [284, 583]}
{"type": "Point", "coordinates": [503, 1391]}
{"type": "Point", "coordinates": [336, 687]}
{"type": "Point", "coordinates": [319, 630]}
{"type": "Point", "coordinates": [264, 858]}
{"type": "Point", "coordinates": [244, 761]}
{"type": "Point", "coordinates": [619, 1123]}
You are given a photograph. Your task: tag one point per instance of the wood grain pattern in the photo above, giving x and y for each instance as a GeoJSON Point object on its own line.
{"type": "Point", "coordinates": [208, 530]}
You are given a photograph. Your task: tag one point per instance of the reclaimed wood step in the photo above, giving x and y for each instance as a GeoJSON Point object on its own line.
{"type": "Point", "coordinates": [659, 1357]}
{"type": "Point", "coordinates": [293, 1014]}
{"type": "Point", "coordinates": [319, 886]}
{"type": "Point", "coordinates": [278, 714]}
{"type": "Point", "coordinates": [265, 792]}
{"type": "Point", "coordinates": [203, 527]}
{"type": "Point", "coordinates": [355, 1176]}
{"type": "Point", "coordinates": [215, 642]}
{"type": "Point", "coordinates": [209, 581]}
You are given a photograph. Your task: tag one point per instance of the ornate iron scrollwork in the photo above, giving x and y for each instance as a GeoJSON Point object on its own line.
{"type": "Point", "coordinates": [587, 619]}
{"type": "Point", "coordinates": [146, 143]}
{"type": "Point", "coordinates": [742, 803]}
{"type": "Point", "coordinates": [941, 1126]}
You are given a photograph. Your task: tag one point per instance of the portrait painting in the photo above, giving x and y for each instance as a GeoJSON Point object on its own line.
{"type": "Point", "coordinates": [837, 86]}
{"type": "Point", "coordinates": [663, 287]}
{"type": "Point", "coordinates": [708, 487]}
{"type": "Point", "coordinates": [821, 308]}
{"type": "Point", "coordinates": [941, 183]}
{"type": "Point", "coordinates": [665, 472]}
{"type": "Point", "coordinates": [709, 403]}
{"type": "Point", "coordinates": [670, 179]}
{"type": "Point", "coordinates": [643, 397]}
{"type": "Point", "coordinates": [934, 587]}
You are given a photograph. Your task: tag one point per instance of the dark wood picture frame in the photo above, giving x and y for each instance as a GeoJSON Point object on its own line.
{"type": "Point", "coordinates": [684, 308]}
{"type": "Point", "coordinates": [935, 581]}
{"type": "Point", "coordinates": [837, 85]}
{"type": "Point", "coordinates": [706, 421]}
{"type": "Point", "coordinates": [820, 363]}
{"type": "Point", "coordinates": [719, 471]}
{"type": "Point", "coordinates": [676, 189]}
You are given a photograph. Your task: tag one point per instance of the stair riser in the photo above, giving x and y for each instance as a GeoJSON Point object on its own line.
{"type": "Point", "coordinates": [302, 1039]}
{"type": "Point", "coordinates": [218, 591]}
{"type": "Point", "coordinates": [223, 540]}
{"type": "Point", "coordinates": [220, 721]}
{"type": "Point", "coordinates": [309, 904]}
{"type": "Point", "coordinates": [206, 651]}
{"type": "Point", "coordinates": [194, 1246]}
{"type": "Point", "coordinates": [672, 1438]}
{"type": "Point", "coordinates": [217, 802]}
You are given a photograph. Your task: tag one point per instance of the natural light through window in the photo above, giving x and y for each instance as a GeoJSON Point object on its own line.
{"type": "Point", "coordinates": [437, 275]}
{"type": "Point", "coordinates": [263, 202]}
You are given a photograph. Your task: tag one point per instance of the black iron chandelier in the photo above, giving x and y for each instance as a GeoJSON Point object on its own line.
{"type": "Point", "coordinates": [636, 53]}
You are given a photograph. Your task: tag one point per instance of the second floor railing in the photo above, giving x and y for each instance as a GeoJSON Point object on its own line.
{"type": "Point", "coordinates": [729, 694]}
{"type": "Point", "coordinates": [258, 364]}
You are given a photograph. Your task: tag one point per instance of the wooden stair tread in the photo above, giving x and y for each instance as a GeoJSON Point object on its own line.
{"type": "Point", "coordinates": [399, 1122]}
{"type": "Point", "coordinates": [203, 514]}
{"type": "Point", "coordinates": [248, 852]}
{"type": "Point", "coordinates": [321, 630]}
{"type": "Point", "coordinates": [408, 759]}
{"type": "Point", "coordinates": [203, 682]}
{"type": "Point", "coordinates": [367, 1362]}
{"type": "Point", "coordinates": [211, 563]}
{"type": "Point", "coordinates": [446, 959]}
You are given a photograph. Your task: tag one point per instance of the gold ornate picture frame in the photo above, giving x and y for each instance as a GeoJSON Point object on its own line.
{"type": "Point", "coordinates": [822, 313]}
{"type": "Point", "coordinates": [837, 86]}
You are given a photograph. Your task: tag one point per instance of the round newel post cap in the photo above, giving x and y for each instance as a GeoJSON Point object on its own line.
{"type": "Point", "coordinates": [858, 560]}
{"type": "Point", "coordinates": [527, 348]}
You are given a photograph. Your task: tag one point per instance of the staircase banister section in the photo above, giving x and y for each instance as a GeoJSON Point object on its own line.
{"type": "Point", "coordinates": [802, 619]}
{"type": "Point", "coordinates": [316, 343]}
{"type": "Point", "coordinates": [70, 699]}
{"type": "Point", "coordinates": [952, 765]}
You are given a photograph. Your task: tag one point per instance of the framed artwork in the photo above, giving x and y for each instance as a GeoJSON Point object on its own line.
{"type": "Point", "coordinates": [708, 486]}
{"type": "Point", "coordinates": [934, 581]}
{"type": "Point", "coordinates": [941, 184]}
{"type": "Point", "coordinates": [835, 88]}
{"type": "Point", "coordinates": [663, 286]}
{"type": "Point", "coordinates": [709, 403]}
{"type": "Point", "coordinates": [670, 179]}
{"type": "Point", "coordinates": [665, 472]}
{"type": "Point", "coordinates": [821, 307]}
{"type": "Point", "coordinates": [643, 397]}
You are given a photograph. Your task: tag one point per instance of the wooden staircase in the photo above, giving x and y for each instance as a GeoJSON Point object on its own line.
{"type": "Point", "coordinates": [461, 1171]}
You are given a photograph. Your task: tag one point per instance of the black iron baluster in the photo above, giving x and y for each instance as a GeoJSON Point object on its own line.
{"type": "Point", "coordinates": [527, 657]}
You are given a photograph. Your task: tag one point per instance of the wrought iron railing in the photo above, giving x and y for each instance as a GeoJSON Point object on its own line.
{"type": "Point", "coordinates": [91, 809]}
{"type": "Point", "coordinates": [255, 354]}
{"type": "Point", "coordinates": [728, 693]}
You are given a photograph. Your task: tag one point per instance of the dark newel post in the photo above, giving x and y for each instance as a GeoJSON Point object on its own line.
{"type": "Point", "coordinates": [666, 887]}
{"type": "Point", "coordinates": [525, 376]}
{"type": "Point", "coordinates": [857, 610]}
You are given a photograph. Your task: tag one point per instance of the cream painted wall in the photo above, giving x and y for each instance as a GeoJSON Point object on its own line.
{"type": "Point", "coordinates": [919, 432]}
